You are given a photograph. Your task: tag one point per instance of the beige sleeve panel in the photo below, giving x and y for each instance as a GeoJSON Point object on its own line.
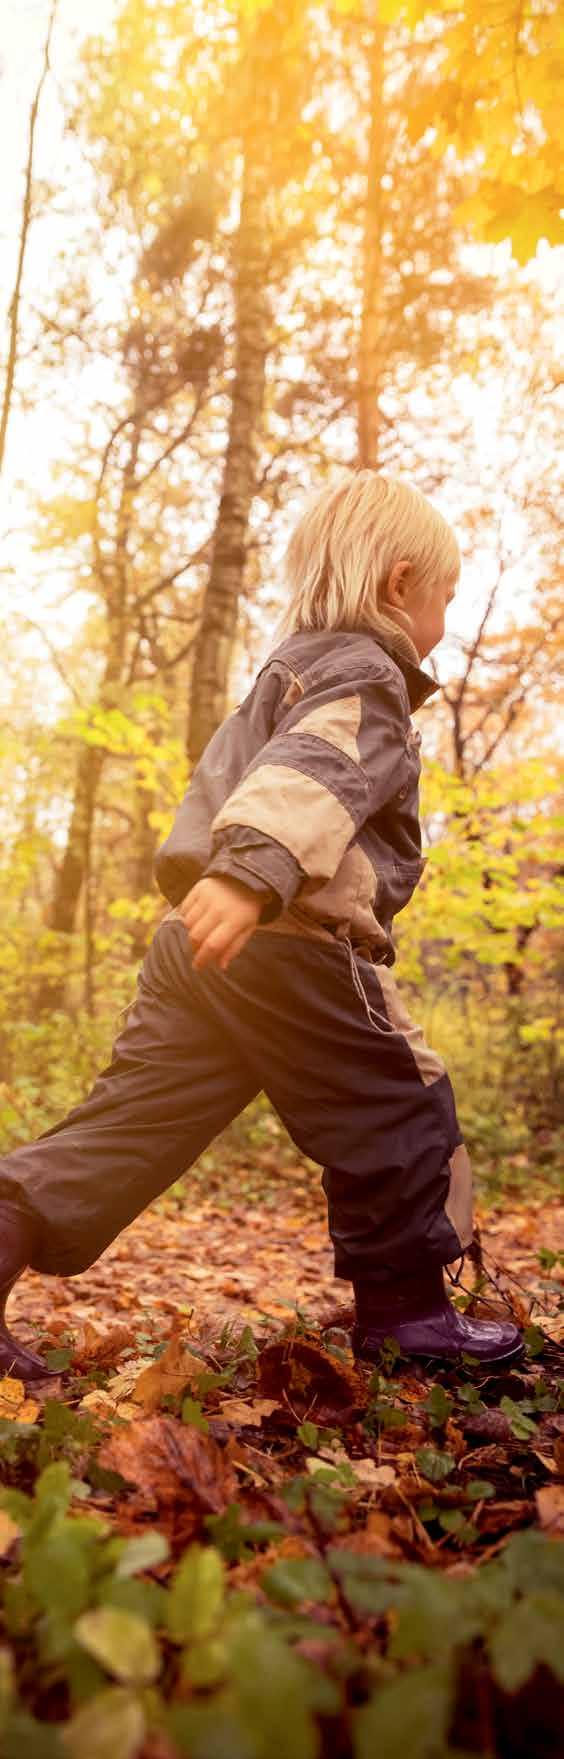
{"type": "Point", "coordinates": [296, 811]}
{"type": "Point", "coordinates": [336, 722]}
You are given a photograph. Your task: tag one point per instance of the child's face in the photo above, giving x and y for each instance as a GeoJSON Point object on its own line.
{"type": "Point", "coordinates": [428, 620]}
{"type": "Point", "coordinates": [425, 623]}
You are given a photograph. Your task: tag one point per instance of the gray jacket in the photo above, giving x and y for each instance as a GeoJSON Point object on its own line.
{"type": "Point", "coordinates": [308, 792]}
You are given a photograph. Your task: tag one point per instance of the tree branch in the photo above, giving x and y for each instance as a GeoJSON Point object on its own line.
{"type": "Point", "coordinates": [14, 310]}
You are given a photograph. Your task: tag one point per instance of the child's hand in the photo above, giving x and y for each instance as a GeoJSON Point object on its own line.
{"type": "Point", "coordinates": [220, 916]}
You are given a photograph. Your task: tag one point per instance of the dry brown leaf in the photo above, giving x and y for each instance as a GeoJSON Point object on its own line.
{"type": "Point", "coordinates": [101, 1405]}
{"type": "Point", "coordinates": [98, 1402]}
{"type": "Point", "coordinates": [307, 1374]}
{"type": "Point", "coordinates": [176, 1369]}
{"type": "Point", "coordinates": [9, 1531]}
{"type": "Point", "coordinates": [550, 1505]}
{"type": "Point", "coordinates": [169, 1462]}
{"type": "Point", "coordinates": [505, 1517]}
{"type": "Point", "coordinates": [365, 1470]}
{"type": "Point", "coordinates": [246, 1416]}
{"type": "Point", "coordinates": [376, 1539]}
{"type": "Point", "coordinates": [101, 1347]}
{"type": "Point", "coordinates": [120, 1385]}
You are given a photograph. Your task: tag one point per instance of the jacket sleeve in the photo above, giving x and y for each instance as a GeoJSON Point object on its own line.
{"type": "Point", "coordinates": [338, 757]}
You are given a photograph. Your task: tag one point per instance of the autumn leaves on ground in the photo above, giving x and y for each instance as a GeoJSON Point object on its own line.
{"type": "Point", "coordinates": [221, 1539]}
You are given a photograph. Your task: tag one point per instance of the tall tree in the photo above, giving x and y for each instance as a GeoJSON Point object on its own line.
{"type": "Point", "coordinates": [25, 224]}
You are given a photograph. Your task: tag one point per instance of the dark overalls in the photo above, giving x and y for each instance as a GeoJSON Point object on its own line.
{"type": "Point", "coordinates": [308, 795]}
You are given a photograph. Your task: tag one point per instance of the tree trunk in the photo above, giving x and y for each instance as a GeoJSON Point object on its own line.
{"type": "Point", "coordinates": [214, 647]}
{"type": "Point", "coordinates": [370, 343]}
{"type": "Point", "coordinates": [14, 310]}
{"type": "Point", "coordinates": [146, 841]}
{"type": "Point", "coordinates": [70, 875]}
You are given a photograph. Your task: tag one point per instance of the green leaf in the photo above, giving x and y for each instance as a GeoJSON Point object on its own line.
{"type": "Point", "coordinates": [53, 1488]}
{"type": "Point", "coordinates": [434, 1616]}
{"type": "Point", "coordinates": [204, 1664]}
{"type": "Point", "coordinates": [197, 1594]}
{"type": "Point", "coordinates": [408, 1717]}
{"type": "Point", "coordinates": [58, 1359]}
{"type": "Point", "coordinates": [434, 1466]}
{"type": "Point", "coordinates": [272, 1692]}
{"type": "Point", "coordinates": [478, 1489]}
{"type": "Point", "coordinates": [385, 1416]}
{"type": "Point", "coordinates": [24, 1738]}
{"type": "Point", "coordinates": [298, 1578]}
{"type": "Point", "coordinates": [110, 1726]}
{"type": "Point", "coordinates": [141, 1554]}
{"type": "Point", "coordinates": [148, 1600]}
{"type": "Point", "coordinates": [452, 1520]}
{"type": "Point", "coordinates": [123, 1643]}
{"type": "Point", "coordinates": [192, 1414]}
{"type": "Point", "coordinates": [534, 1340]}
{"type": "Point", "coordinates": [234, 1537]}
{"type": "Point", "coordinates": [56, 1573]}
{"type": "Point", "coordinates": [211, 1730]}
{"type": "Point", "coordinates": [308, 1434]}
{"type": "Point", "coordinates": [438, 1406]}
{"type": "Point", "coordinates": [534, 1562]}
{"type": "Point", "coordinates": [522, 1425]}
{"type": "Point", "coordinates": [532, 1632]}
{"type": "Point", "coordinates": [365, 1581]}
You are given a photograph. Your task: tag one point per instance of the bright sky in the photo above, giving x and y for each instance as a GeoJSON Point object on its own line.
{"type": "Point", "coordinates": [36, 438]}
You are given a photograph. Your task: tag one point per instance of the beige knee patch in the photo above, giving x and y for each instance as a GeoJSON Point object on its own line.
{"type": "Point", "coordinates": [458, 1206]}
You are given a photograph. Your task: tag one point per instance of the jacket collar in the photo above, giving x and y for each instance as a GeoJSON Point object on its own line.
{"type": "Point", "coordinates": [400, 648]}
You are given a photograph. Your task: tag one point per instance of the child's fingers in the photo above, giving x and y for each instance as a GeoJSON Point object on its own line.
{"type": "Point", "coordinates": [201, 921]}
{"type": "Point", "coordinates": [212, 948]}
{"type": "Point", "coordinates": [235, 948]}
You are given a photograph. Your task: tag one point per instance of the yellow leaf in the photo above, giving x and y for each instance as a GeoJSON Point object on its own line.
{"type": "Point", "coordinates": [29, 1411]}
{"type": "Point", "coordinates": [12, 1397]}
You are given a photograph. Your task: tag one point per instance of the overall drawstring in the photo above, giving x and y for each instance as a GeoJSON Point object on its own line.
{"type": "Point", "coordinates": [374, 1019]}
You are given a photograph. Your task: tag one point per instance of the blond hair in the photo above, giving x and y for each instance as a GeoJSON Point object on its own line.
{"type": "Point", "coordinates": [342, 551]}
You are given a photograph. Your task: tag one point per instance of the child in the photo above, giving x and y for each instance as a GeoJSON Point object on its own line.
{"type": "Point", "coordinates": [297, 842]}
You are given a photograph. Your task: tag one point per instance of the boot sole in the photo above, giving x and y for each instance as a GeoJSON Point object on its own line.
{"type": "Point", "coordinates": [454, 1361]}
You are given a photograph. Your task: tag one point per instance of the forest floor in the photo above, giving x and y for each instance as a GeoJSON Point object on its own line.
{"type": "Point", "coordinates": [208, 1399]}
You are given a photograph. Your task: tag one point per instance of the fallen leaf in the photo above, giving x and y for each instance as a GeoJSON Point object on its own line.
{"type": "Point", "coordinates": [505, 1517]}
{"type": "Point", "coordinates": [246, 1416]}
{"type": "Point", "coordinates": [550, 1505]}
{"type": "Point", "coordinates": [101, 1405]}
{"type": "Point", "coordinates": [376, 1539]}
{"type": "Point", "coordinates": [103, 1348]}
{"type": "Point", "coordinates": [488, 1426]}
{"type": "Point", "coordinates": [306, 1374]}
{"type": "Point", "coordinates": [364, 1470]}
{"type": "Point", "coordinates": [176, 1369]}
{"type": "Point", "coordinates": [15, 1407]}
{"type": "Point", "coordinates": [98, 1402]}
{"type": "Point", "coordinates": [29, 1411]}
{"type": "Point", "coordinates": [120, 1385]}
{"type": "Point", "coordinates": [372, 1475]}
{"type": "Point", "coordinates": [169, 1462]}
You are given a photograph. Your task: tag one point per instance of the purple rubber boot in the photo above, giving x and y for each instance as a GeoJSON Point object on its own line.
{"type": "Point", "coordinates": [417, 1313]}
{"type": "Point", "coordinates": [16, 1246]}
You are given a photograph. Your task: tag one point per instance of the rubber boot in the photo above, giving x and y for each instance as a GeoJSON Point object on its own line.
{"type": "Point", "coordinates": [417, 1313]}
{"type": "Point", "coordinates": [16, 1246]}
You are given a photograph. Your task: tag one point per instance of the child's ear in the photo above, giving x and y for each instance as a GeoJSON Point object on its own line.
{"type": "Point", "coordinates": [398, 584]}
